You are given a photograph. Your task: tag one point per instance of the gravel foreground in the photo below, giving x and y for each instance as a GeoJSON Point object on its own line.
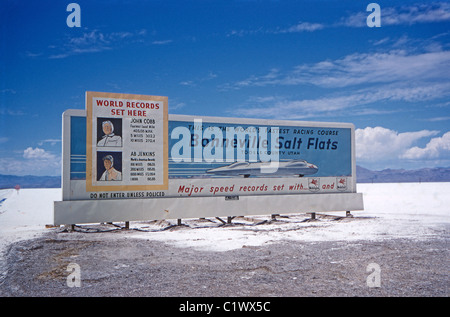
{"type": "Point", "coordinates": [111, 265]}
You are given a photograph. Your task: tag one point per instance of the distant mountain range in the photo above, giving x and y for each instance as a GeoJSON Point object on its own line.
{"type": "Point", "coordinates": [364, 175]}
{"type": "Point", "coordinates": [10, 181]}
{"type": "Point", "coordinates": [437, 174]}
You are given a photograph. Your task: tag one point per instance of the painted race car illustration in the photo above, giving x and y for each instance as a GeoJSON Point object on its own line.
{"type": "Point", "coordinates": [246, 169]}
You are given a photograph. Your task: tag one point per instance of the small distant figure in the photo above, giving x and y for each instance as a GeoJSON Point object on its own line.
{"type": "Point", "coordinates": [17, 188]}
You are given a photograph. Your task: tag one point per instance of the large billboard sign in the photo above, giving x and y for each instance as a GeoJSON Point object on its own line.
{"type": "Point", "coordinates": [129, 160]}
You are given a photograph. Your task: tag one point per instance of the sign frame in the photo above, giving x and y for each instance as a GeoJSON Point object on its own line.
{"type": "Point", "coordinates": [90, 95]}
{"type": "Point", "coordinates": [69, 211]}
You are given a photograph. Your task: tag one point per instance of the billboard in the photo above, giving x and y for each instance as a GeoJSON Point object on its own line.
{"type": "Point", "coordinates": [199, 160]}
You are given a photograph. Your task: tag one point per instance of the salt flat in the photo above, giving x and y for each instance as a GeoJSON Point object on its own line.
{"type": "Point", "coordinates": [400, 210]}
{"type": "Point", "coordinates": [404, 228]}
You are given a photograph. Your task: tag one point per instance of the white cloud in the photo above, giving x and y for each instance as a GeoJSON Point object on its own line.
{"type": "Point", "coordinates": [334, 105]}
{"type": "Point", "coordinates": [272, 78]}
{"type": "Point", "coordinates": [94, 41]}
{"type": "Point", "coordinates": [381, 144]}
{"type": "Point", "coordinates": [356, 69]}
{"type": "Point", "coordinates": [421, 13]}
{"type": "Point", "coordinates": [89, 42]}
{"type": "Point", "coordinates": [187, 83]}
{"type": "Point", "coordinates": [7, 91]}
{"type": "Point", "coordinates": [177, 106]}
{"type": "Point", "coordinates": [37, 154]}
{"type": "Point", "coordinates": [162, 42]}
{"type": "Point", "coordinates": [33, 161]}
{"type": "Point", "coordinates": [297, 28]}
{"type": "Point", "coordinates": [302, 27]}
{"type": "Point", "coordinates": [437, 148]}
{"type": "Point", "coordinates": [437, 119]}
{"type": "Point", "coordinates": [404, 15]}
{"type": "Point", "coordinates": [397, 75]}
{"type": "Point", "coordinates": [93, 37]}
{"type": "Point", "coordinates": [199, 80]}
{"type": "Point", "coordinates": [50, 141]}
{"type": "Point", "coordinates": [10, 112]}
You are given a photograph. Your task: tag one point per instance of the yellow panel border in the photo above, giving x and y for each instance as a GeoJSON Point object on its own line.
{"type": "Point", "coordinates": [90, 95]}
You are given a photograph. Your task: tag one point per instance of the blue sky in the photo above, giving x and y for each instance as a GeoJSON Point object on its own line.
{"type": "Point", "coordinates": [310, 60]}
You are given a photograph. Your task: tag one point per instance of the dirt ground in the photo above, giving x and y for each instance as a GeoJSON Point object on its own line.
{"type": "Point", "coordinates": [112, 263]}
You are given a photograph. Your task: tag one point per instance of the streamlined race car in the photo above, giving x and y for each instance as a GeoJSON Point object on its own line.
{"type": "Point", "coordinates": [263, 169]}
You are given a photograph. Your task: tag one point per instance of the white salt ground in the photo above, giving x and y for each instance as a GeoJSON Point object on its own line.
{"type": "Point", "coordinates": [408, 210]}
{"type": "Point", "coordinates": [403, 210]}
{"type": "Point", "coordinates": [24, 213]}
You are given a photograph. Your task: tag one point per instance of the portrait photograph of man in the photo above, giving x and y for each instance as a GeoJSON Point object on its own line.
{"type": "Point", "coordinates": [109, 166]}
{"type": "Point", "coordinates": [109, 131]}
